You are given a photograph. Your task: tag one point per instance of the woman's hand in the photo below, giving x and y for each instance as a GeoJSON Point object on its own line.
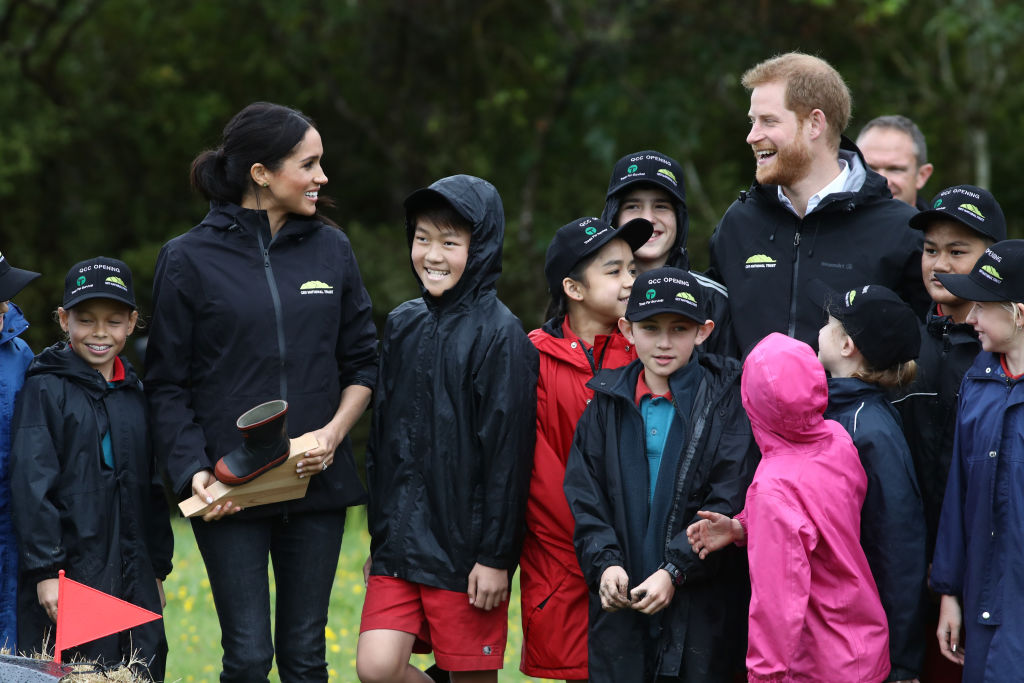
{"type": "Point", "coordinates": [46, 593]}
{"type": "Point", "coordinates": [202, 479]}
{"type": "Point", "coordinates": [318, 459]}
{"type": "Point", "coordinates": [949, 633]}
{"type": "Point", "coordinates": [160, 590]}
{"type": "Point", "coordinates": [614, 584]}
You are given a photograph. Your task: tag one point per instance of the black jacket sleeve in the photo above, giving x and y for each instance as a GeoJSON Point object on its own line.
{"type": "Point", "coordinates": [178, 440]}
{"type": "Point", "coordinates": [35, 478]}
{"type": "Point", "coordinates": [505, 384]}
{"type": "Point", "coordinates": [733, 455]}
{"type": "Point", "coordinates": [586, 489]}
{"type": "Point", "coordinates": [356, 349]}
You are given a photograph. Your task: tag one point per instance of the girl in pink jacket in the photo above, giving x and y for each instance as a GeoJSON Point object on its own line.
{"type": "Point", "coordinates": [814, 609]}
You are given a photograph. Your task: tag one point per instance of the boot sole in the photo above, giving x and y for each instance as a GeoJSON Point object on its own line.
{"type": "Point", "coordinates": [225, 475]}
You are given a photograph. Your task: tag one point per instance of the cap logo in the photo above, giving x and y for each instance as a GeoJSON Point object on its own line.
{"type": "Point", "coordinates": [80, 281]}
{"type": "Point", "coordinates": [850, 296]}
{"type": "Point", "coordinates": [115, 281]}
{"type": "Point", "coordinates": [632, 168]}
{"type": "Point", "coordinates": [315, 287]}
{"type": "Point", "coordinates": [668, 174]}
{"type": "Point", "coordinates": [591, 230]}
{"type": "Point", "coordinates": [991, 273]}
{"type": "Point", "coordinates": [687, 297]}
{"type": "Point", "coordinates": [937, 204]}
{"type": "Point", "coordinates": [650, 294]}
{"type": "Point", "coordinates": [760, 261]}
{"type": "Point", "coordinates": [973, 210]}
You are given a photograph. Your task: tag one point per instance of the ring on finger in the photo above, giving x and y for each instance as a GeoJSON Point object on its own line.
{"type": "Point", "coordinates": [324, 466]}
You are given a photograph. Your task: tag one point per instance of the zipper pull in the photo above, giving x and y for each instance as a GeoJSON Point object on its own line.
{"type": "Point", "coordinates": [796, 239]}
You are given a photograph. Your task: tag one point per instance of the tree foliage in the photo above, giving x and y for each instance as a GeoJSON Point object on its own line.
{"type": "Point", "coordinates": [105, 102]}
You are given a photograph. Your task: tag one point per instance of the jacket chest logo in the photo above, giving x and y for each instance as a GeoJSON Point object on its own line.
{"type": "Point", "coordinates": [759, 261]}
{"type": "Point", "coordinates": [316, 287]}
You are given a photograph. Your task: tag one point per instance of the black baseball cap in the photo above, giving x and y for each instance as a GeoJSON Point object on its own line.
{"type": "Point", "coordinates": [665, 290]}
{"type": "Point", "coordinates": [967, 204]}
{"type": "Point", "coordinates": [651, 167]}
{"type": "Point", "coordinates": [99, 278]}
{"type": "Point", "coordinates": [13, 280]}
{"type": "Point", "coordinates": [998, 275]}
{"type": "Point", "coordinates": [881, 324]}
{"type": "Point", "coordinates": [574, 241]}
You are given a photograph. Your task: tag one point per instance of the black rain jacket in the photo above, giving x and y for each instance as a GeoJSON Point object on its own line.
{"type": "Point", "coordinates": [929, 407]}
{"type": "Point", "coordinates": [108, 528]}
{"type": "Point", "coordinates": [240, 319]}
{"type": "Point", "coordinates": [454, 418]}
{"type": "Point", "coordinates": [766, 255]}
{"type": "Point", "coordinates": [701, 635]}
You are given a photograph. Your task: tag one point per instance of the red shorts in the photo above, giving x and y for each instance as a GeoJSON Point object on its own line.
{"type": "Point", "coordinates": [462, 637]}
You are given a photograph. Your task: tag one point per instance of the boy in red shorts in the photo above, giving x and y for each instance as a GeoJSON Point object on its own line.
{"type": "Point", "coordinates": [450, 450]}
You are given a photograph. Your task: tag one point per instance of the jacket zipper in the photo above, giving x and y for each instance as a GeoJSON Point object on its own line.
{"type": "Point", "coordinates": [684, 466]}
{"type": "Point", "coordinates": [278, 318]}
{"type": "Point", "coordinates": [793, 284]}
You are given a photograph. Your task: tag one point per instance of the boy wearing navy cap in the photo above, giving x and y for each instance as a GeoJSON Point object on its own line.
{"type": "Point", "coordinates": [649, 184]}
{"type": "Point", "coordinates": [655, 607]}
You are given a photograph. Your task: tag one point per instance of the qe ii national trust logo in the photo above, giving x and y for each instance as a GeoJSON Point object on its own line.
{"type": "Point", "coordinates": [316, 287]}
{"type": "Point", "coordinates": [759, 261]}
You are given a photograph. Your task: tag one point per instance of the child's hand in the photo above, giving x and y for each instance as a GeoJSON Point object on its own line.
{"type": "Point", "coordinates": [614, 584]}
{"type": "Point", "coordinates": [163, 596]}
{"type": "Point", "coordinates": [488, 587]}
{"type": "Point", "coordinates": [654, 594]}
{"type": "Point", "coordinates": [202, 479]}
{"type": "Point", "coordinates": [713, 532]}
{"type": "Point", "coordinates": [950, 620]}
{"type": "Point", "coordinates": [46, 591]}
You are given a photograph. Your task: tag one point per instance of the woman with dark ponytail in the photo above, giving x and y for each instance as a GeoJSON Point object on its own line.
{"type": "Point", "coordinates": [263, 301]}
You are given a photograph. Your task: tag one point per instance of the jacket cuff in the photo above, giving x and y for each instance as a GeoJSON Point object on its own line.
{"type": "Point", "coordinates": [34, 576]}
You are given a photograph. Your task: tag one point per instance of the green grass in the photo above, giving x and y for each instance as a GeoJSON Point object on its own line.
{"type": "Point", "coordinates": [194, 635]}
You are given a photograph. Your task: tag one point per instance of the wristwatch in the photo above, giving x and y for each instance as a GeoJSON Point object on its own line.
{"type": "Point", "coordinates": [677, 574]}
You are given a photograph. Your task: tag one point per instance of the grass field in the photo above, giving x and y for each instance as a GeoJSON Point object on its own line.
{"type": "Point", "coordinates": [194, 635]}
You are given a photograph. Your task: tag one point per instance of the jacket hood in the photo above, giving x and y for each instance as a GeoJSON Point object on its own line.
{"type": "Point", "coordinates": [477, 201]}
{"type": "Point", "coordinates": [62, 361]}
{"type": "Point", "coordinates": [14, 323]}
{"type": "Point", "coordinates": [785, 393]}
{"type": "Point", "coordinates": [867, 185]}
{"type": "Point", "coordinates": [677, 256]}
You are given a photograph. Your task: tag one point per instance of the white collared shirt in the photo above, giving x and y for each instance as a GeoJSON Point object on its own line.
{"type": "Point", "coordinates": [838, 184]}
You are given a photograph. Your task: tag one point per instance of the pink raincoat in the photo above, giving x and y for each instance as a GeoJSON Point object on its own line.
{"type": "Point", "coordinates": [814, 609]}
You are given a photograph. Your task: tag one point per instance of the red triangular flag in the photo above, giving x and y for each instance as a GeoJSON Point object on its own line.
{"type": "Point", "coordinates": [85, 614]}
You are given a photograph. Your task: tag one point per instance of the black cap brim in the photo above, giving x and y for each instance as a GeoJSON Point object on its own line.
{"type": "Point", "coordinates": [636, 233]}
{"type": "Point", "coordinates": [13, 281]}
{"type": "Point", "coordinates": [968, 288]}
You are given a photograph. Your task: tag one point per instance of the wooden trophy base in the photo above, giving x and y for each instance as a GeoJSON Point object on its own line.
{"type": "Point", "coordinates": [273, 486]}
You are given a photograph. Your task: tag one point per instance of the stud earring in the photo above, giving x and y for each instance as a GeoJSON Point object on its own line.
{"type": "Point", "coordinates": [266, 184]}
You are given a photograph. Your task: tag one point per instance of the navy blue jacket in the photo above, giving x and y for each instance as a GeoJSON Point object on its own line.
{"type": "Point", "coordinates": [700, 636]}
{"type": "Point", "coordinates": [107, 527]}
{"type": "Point", "coordinates": [766, 255]}
{"type": "Point", "coordinates": [454, 418]}
{"type": "Point", "coordinates": [892, 528]}
{"type": "Point", "coordinates": [15, 356]}
{"type": "Point", "coordinates": [240, 319]}
{"type": "Point", "coordinates": [979, 553]}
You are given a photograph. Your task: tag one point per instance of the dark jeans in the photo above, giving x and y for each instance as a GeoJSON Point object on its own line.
{"type": "Point", "coordinates": [304, 549]}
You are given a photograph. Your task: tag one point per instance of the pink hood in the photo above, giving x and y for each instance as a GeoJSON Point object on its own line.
{"type": "Point", "coordinates": [814, 609]}
{"type": "Point", "coordinates": [785, 393]}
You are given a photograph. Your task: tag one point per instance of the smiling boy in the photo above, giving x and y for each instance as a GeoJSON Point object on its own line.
{"type": "Point", "coordinates": [450, 448]}
{"type": "Point", "coordinates": [632, 505]}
